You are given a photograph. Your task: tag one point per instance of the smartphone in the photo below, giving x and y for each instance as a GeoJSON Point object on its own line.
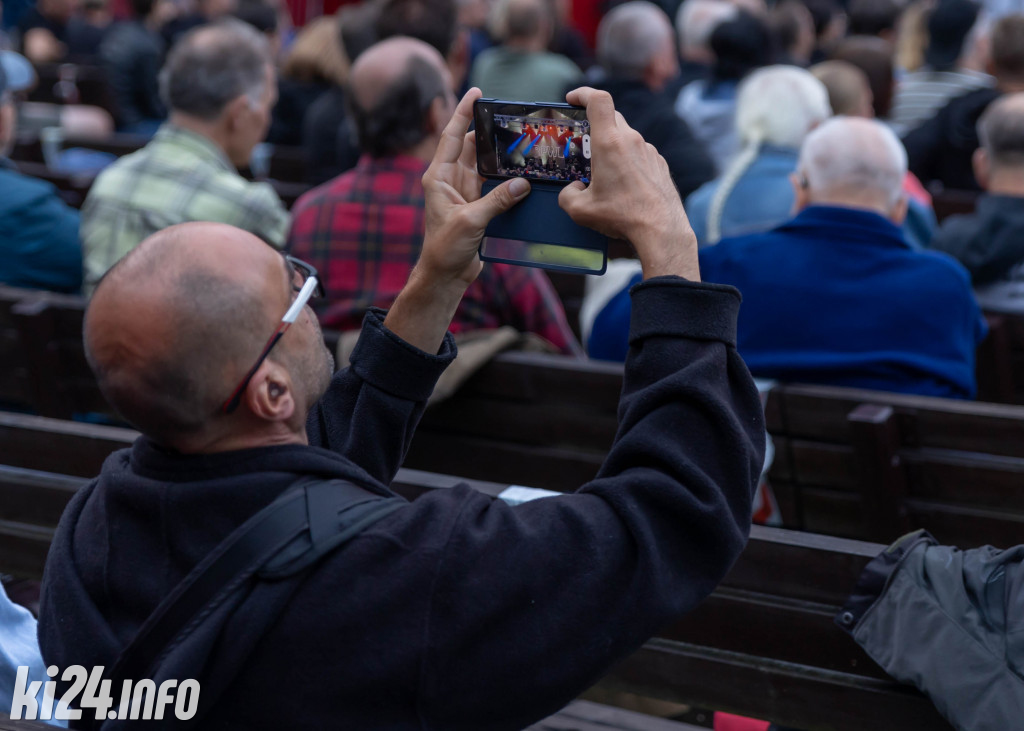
{"type": "Point", "coordinates": [549, 144]}
{"type": "Point", "coordinates": [543, 142]}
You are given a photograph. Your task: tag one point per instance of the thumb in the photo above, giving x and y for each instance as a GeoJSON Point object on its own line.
{"type": "Point", "coordinates": [571, 197]}
{"type": "Point", "coordinates": [502, 198]}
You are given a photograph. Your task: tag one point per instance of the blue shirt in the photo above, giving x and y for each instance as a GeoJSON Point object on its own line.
{"type": "Point", "coordinates": [18, 647]}
{"type": "Point", "coordinates": [38, 235]}
{"type": "Point", "coordinates": [837, 296]}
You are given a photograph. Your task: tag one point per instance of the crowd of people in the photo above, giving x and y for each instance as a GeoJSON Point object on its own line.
{"type": "Point", "coordinates": [784, 152]}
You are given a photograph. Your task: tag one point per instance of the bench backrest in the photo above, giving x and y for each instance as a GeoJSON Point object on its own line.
{"type": "Point", "coordinates": [548, 421]}
{"type": "Point", "coordinates": [871, 464]}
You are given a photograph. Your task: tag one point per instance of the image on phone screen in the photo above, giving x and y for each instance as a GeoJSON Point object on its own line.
{"type": "Point", "coordinates": [517, 140]}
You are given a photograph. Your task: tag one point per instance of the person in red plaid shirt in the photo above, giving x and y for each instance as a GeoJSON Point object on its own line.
{"type": "Point", "coordinates": [363, 230]}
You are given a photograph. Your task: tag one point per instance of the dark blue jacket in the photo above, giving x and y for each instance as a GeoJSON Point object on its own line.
{"type": "Point", "coordinates": [837, 296]}
{"type": "Point", "coordinates": [38, 235]}
{"type": "Point", "coordinates": [456, 611]}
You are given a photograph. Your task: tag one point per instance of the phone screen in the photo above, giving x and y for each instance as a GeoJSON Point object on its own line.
{"type": "Point", "coordinates": [549, 142]}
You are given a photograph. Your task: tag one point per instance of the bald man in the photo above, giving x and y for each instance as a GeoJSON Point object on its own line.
{"type": "Point", "coordinates": [452, 612]}
{"type": "Point", "coordinates": [401, 101]}
{"type": "Point", "coordinates": [836, 295]}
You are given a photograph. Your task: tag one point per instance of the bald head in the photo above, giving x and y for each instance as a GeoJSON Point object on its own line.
{"type": "Point", "coordinates": [854, 162]}
{"type": "Point", "coordinates": [848, 90]}
{"type": "Point", "coordinates": [1001, 132]}
{"type": "Point", "coordinates": [394, 84]}
{"type": "Point", "coordinates": [174, 325]}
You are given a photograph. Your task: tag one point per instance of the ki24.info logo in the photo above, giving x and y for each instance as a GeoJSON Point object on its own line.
{"type": "Point", "coordinates": [139, 700]}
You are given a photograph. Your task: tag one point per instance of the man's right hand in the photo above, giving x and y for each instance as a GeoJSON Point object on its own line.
{"type": "Point", "coordinates": [631, 195]}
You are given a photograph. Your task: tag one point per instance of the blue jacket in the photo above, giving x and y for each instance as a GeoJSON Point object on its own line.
{"type": "Point", "coordinates": [38, 235]}
{"type": "Point", "coordinates": [763, 198]}
{"type": "Point", "coordinates": [837, 296]}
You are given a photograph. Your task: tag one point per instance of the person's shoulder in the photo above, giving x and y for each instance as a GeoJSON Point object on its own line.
{"type": "Point", "coordinates": [941, 270]}
{"type": "Point", "coordinates": [562, 64]}
{"type": "Point", "coordinates": [119, 176]}
{"type": "Point", "coordinates": [741, 250]}
{"type": "Point", "coordinates": [324, 195]}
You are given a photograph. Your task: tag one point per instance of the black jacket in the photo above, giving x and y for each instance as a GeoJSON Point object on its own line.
{"type": "Point", "coordinates": [456, 611]}
{"type": "Point", "coordinates": [654, 116]}
{"type": "Point", "coordinates": [131, 56]}
{"type": "Point", "coordinates": [328, 138]}
{"type": "Point", "coordinates": [988, 242]}
{"type": "Point", "coordinates": [941, 148]}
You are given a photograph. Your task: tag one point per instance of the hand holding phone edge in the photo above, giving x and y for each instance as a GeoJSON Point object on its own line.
{"type": "Point", "coordinates": [631, 195]}
{"type": "Point", "coordinates": [455, 216]}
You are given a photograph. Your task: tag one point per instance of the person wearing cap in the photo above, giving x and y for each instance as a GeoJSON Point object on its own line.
{"type": "Point", "coordinates": [38, 231]}
{"type": "Point", "coordinates": [923, 93]}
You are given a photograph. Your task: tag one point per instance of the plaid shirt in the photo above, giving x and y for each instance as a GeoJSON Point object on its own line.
{"type": "Point", "coordinates": [363, 231]}
{"type": "Point", "coordinates": [179, 176]}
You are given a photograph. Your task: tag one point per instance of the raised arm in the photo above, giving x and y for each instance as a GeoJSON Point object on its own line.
{"type": "Point", "coordinates": [371, 410]}
{"type": "Point", "coordinates": [548, 595]}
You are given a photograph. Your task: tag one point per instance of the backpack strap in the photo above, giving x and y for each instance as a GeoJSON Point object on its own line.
{"type": "Point", "coordinates": [311, 518]}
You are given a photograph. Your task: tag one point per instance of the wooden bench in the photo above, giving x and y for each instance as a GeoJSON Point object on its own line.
{"type": "Point", "coordinates": [860, 464]}
{"type": "Point", "coordinates": [49, 332]}
{"type": "Point", "coordinates": [854, 463]}
{"type": "Point", "coordinates": [762, 645]}
{"type": "Point", "coordinates": [875, 465]}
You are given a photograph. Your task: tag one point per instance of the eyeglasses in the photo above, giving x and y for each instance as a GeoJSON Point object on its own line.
{"type": "Point", "coordinates": [307, 284]}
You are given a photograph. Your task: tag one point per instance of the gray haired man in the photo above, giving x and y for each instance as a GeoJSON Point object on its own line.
{"type": "Point", "coordinates": [219, 84]}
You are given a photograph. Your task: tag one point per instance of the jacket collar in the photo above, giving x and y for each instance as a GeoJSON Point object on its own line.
{"type": "Point", "coordinates": [846, 224]}
{"type": "Point", "coordinates": [194, 143]}
{"type": "Point", "coordinates": [397, 163]}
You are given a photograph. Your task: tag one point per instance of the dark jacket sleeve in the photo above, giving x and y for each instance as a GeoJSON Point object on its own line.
{"type": "Point", "coordinates": [548, 594]}
{"type": "Point", "coordinates": [370, 410]}
{"type": "Point", "coordinates": [949, 622]}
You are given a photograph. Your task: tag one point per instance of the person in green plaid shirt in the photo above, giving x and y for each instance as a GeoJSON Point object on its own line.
{"type": "Point", "coordinates": [219, 84]}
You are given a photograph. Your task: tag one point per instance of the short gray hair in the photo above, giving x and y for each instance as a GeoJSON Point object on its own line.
{"type": "Point", "coordinates": [1001, 130]}
{"type": "Point", "coordinates": [697, 20]}
{"type": "Point", "coordinates": [628, 38]}
{"type": "Point", "coordinates": [856, 155]}
{"type": "Point", "coordinates": [212, 65]}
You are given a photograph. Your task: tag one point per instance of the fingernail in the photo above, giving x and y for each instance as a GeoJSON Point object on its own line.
{"type": "Point", "coordinates": [519, 187]}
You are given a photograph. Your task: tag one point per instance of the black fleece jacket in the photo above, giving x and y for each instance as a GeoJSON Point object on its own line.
{"type": "Point", "coordinates": [456, 611]}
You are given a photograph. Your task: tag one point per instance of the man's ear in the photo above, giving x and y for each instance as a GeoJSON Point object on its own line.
{"type": "Point", "coordinates": [270, 395]}
{"type": "Point", "coordinates": [982, 167]}
{"type": "Point", "coordinates": [438, 116]}
{"type": "Point", "coordinates": [898, 213]}
{"type": "Point", "coordinates": [801, 195]}
{"type": "Point", "coordinates": [234, 111]}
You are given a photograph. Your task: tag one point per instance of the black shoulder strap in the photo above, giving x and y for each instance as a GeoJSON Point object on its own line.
{"type": "Point", "coordinates": [311, 518]}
